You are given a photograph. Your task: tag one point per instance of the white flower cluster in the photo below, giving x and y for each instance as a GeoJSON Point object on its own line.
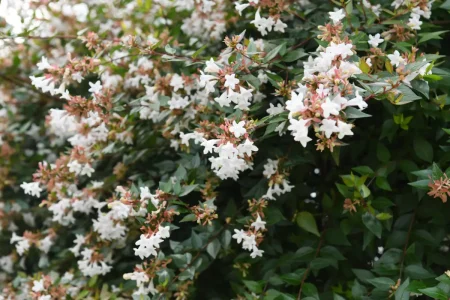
{"type": "Point", "coordinates": [376, 9]}
{"type": "Point", "coordinates": [398, 60]}
{"type": "Point", "coordinates": [326, 100]}
{"type": "Point", "coordinates": [66, 126]}
{"type": "Point", "coordinates": [141, 279]}
{"type": "Point", "coordinates": [417, 11]}
{"type": "Point", "coordinates": [278, 186]}
{"type": "Point", "coordinates": [265, 25]}
{"type": "Point", "coordinates": [207, 21]}
{"type": "Point", "coordinates": [90, 265]}
{"type": "Point", "coordinates": [248, 239]}
{"type": "Point", "coordinates": [74, 200]}
{"type": "Point", "coordinates": [80, 169]}
{"type": "Point", "coordinates": [231, 160]}
{"type": "Point", "coordinates": [22, 243]}
{"type": "Point", "coordinates": [148, 244]}
{"type": "Point", "coordinates": [234, 92]}
{"type": "Point", "coordinates": [31, 188]}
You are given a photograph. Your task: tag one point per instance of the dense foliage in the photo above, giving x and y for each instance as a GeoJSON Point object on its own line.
{"type": "Point", "coordinates": [198, 149]}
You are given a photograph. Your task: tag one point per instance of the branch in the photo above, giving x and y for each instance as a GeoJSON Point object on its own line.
{"type": "Point", "coordinates": [405, 248]}
{"type": "Point", "coordinates": [322, 236]}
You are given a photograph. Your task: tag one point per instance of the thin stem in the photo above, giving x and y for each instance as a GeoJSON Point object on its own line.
{"type": "Point", "coordinates": [319, 246]}
{"type": "Point", "coordinates": [405, 248]}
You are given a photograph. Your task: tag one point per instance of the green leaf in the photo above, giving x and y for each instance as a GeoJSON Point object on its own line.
{"type": "Point", "coordinates": [422, 87]}
{"type": "Point", "coordinates": [189, 218]}
{"type": "Point", "coordinates": [310, 290]}
{"type": "Point", "coordinates": [383, 184]}
{"type": "Point", "coordinates": [401, 293]}
{"type": "Point", "coordinates": [196, 53]}
{"type": "Point", "coordinates": [294, 55]}
{"type": "Point", "coordinates": [383, 216]}
{"type": "Point", "coordinates": [435, 293]}
{"type": "Point", "coordinates": [420, 184]}
{"type": "Point", "coordinates": [436, 35]}
{"type": "Point", "coordinates": [252, 80]}
{"type": "Point", "coordinates": [418, 272]}
{"type": "Point", "coordinates": [383, 283]}
{"type": "Point", "coordinates": [306, 221]}
{"type": "Point", "coordinates": [358, 291]}
{"type": "Point", "coordinates": [354, 113]}
{"type": "Point", "coordinates": [446, 5]}
{"type": "Point", "coordinates": [444, 279]}
{"type": "Point", "coordinates": [189, 273]}
{"type": "Point", "coordinates": [423, 149]}
{"type": "Point", "coordinates": [187, 189]}
{"type": "Point", "coordinates": [436, 172]}
{"type": "Point", "coordinates": [273, 53]}
{"type": "Point", "coordinates": [383, 153]}
{"type": "Point", "coordinates": [363, 170]}
{"type": "Point", "coordinates": [82, 295]}
{"type": "Point", "coordinates": [372, 224]}
{"type": "Point", "coordinates": [363, 275]}
{"type": "Point", "coordinates": [92, 281]}
{"type": "Point", "coordinates": [254, 286]}
{"type": "Point", "coordinates": [333, 252]}
{"type": "Point", "coordinates": [169, 49]}
{"type": "Point", "coordinates": [294, 278]}
{"type": "Point", "coordinates": [197, 242]}
{"type": "Point", "coordinates": [321, 263]}
{"type": "Point", "coordinates": [213, 248]}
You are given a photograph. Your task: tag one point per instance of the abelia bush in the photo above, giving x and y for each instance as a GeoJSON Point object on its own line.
{"type": "Point", "coordinates": [198, 149]}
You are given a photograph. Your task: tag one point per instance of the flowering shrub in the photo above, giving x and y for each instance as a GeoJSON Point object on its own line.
{"type": "Point", "coordinates": [198, 149]}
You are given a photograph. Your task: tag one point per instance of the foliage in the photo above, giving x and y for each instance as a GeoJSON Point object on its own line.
{"type": "Point", "coordinates": [197, 149]}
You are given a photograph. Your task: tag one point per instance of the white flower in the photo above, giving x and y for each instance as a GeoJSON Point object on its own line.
{"type": "Point", "coordinates": [238, 128]}
{"type": "Point", "coordinates": [369, 62]}
{"type": "Point", "coordinates": [263, 24]}
{"type": "Point", "coordinates": [240, 7]}
{"type": "Point", "coordinates": [87, 170]}
{"type": "Point", "coordinates": [256, 252]}
{"type": "Point", "coordinates": [330, 107]}
{"type": "Point", "coordinates": [43, 64]}
{"type": "Point", "coordinates": [274, 110]}
{"type": "Point", "coordinates": [95, 87]}
{"type": "Point", "coordinates": [223, 100]}
{"type": "Point", "coordinates": [357, 101]}
{"type": "Point", "coordinates": [259, 224]}
{"type": "Point", "coordinates": [247, 148]}
{"type": "Point", "coordinates": [211, 66]}
{"type": "Point", "coordinates": [145, 194]}
{"type": "Point", "coordinates": [164, 231]}
{"type": "Point", "coordinates": [295, 105]}
{"type": "Point", "coordinates": [396, 59]}
{"type": "Point", "coordinates": [328, 126]}
{"type": "Point", "coordinates": [344, 129]}
{"type": "Point", "coordinates": [210, 145]}
{"type": "Point", "coordinates": [299, 130]}
{"type": "Point", "coordinates": [279, 26]}
{"type": "Point", "coordinates": [38, 286]}
{"type": "Point", "coordinates": [337, 16]}
{"type": "Point", "coordinates": [322, 91]}
{"type": "Point", "coordinates": [374, 41]}
{"type": "Point", "coordinates": [414, 22]}
{"type": "Point", "coordinates": [231, 81]}
{"type": "Point", "coordinates": [77, 77]}
{"type": "Point", "coordinates": [176, 82]}
{"type": "Point", "coordinates": [239, 235]}
{"type": "Point", "coordinates": [31, 188]}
